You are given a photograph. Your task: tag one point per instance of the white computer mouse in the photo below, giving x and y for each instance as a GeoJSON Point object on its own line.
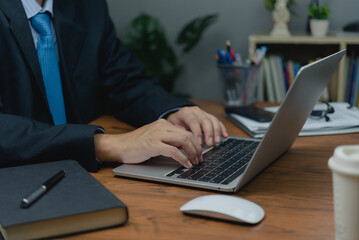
{"type": "Point", "coordinates": [225, 207]}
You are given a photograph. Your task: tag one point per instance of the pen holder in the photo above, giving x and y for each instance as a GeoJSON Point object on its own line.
{"type": "Point", "coordinates": [239, 83]}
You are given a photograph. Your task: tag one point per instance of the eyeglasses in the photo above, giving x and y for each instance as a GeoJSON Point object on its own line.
{"type": "Point", "coordinates": [319, 114]}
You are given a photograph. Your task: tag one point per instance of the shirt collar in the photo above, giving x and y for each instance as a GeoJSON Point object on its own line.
{"type": "Point", "coordinates": [32, 7]}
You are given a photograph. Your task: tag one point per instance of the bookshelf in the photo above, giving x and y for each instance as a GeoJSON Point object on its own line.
{"type": "Point", "coordinates": [303, 48]}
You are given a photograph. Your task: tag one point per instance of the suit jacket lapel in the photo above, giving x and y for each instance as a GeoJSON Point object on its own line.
{"type": "Point", "coordinates": [70, 35]}
{"type": "Point", "coordinates": [20, 28]}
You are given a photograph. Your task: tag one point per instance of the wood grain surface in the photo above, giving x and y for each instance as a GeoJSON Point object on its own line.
{"type": "Point", "coordinates": [295, 192]}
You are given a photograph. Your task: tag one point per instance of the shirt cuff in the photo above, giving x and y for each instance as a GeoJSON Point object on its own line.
{"type": "Point", "coordinates": [100, 130]}
{"type": "Point", "coordinates": [165, 114]}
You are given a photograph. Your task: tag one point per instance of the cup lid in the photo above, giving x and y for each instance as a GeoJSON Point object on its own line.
{"type": "Point", "coordinates": [345, 160]}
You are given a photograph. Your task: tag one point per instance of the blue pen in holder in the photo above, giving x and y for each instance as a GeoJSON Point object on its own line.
{"type": "Point", "coordinates": [240, 83]}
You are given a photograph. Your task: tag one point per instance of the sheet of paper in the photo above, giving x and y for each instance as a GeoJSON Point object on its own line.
{"type": "Point", "coordinates": [342, 118]}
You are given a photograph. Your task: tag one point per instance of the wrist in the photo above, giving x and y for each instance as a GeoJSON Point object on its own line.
{"type": "Point", "coordinates": [101, 147]}
{"type": "Point", "coordinates": [110, 147]}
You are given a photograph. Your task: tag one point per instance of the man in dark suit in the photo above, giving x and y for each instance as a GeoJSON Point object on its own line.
{"type": "Point", "coordinates": [96, 75]}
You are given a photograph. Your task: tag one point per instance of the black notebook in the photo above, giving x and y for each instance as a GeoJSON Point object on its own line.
{"type": "Point", "coordinates": [77, 203]}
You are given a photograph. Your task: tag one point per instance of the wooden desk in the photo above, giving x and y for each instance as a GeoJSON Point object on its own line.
{"type": "Point", "coordinates": [295, 192]}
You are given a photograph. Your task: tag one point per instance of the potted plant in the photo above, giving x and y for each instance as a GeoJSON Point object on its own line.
{"type": "Point", "coordinates": [319, 19]}
{"type": "Point", "coordinates": [147, 39]}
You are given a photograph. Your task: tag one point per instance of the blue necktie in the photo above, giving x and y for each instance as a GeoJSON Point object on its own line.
{"type": "Point", "coordinates": [46, 52]}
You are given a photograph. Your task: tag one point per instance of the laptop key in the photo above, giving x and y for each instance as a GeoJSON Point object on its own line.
{"type": "Point", "coordinates": [196, 176]}
{"type": "Point", "coordinates": [176, 171]}
{"type": "Point", "coordinates": [235, 175]}
{"type": "Point", "coordinates": [220, 163]}
{"type": "Point", "coordinates": [205, 179]}
{"type": "Point", "coordinates": [218, 179]}
{"type": "Point", "coordinates": [187, 173]}
{"type": "Point", "coordinates": [223, 175]}
{"type": "Point", "coordinates": [199, 174]}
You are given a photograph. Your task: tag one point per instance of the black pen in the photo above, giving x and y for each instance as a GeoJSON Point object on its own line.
{"type": "Point", "coordinates": [42, 189]}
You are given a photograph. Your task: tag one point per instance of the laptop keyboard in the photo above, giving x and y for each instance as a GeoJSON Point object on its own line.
{"type": "Point", "coordinates": [222, 164]}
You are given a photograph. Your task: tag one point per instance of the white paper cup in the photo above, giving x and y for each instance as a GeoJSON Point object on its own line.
{"type": "Point", "coordinates": [345, 168]}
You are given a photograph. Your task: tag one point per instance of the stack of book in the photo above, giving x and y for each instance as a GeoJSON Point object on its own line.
{"type": "Point", "coordinates": [349, 87]}
{"type": "Point", "coordinates": [278, 76]}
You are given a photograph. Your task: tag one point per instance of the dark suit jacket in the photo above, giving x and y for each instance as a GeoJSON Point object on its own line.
{"type": "Point", "coordinates": [98, 75]}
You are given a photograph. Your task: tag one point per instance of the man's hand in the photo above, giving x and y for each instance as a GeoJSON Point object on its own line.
{"type": "Point", "coordinates": [157, 138]}
{"type": "Point", "coordinates": [196, 120]}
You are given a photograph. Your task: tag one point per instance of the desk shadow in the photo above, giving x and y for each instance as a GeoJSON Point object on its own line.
{"type": "Point", "coordinates": [225, 221]}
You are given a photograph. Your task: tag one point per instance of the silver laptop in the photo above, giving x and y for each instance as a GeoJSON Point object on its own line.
{"type": "Point", "coordinates": [230, 165]}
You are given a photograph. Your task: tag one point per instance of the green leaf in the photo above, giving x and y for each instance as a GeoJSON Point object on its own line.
{"type": "Point", "coordinates": [192, 32]}
{"type": "Point", "coordinates": [319, 12]}
{"type": "Point", "coordinates": [269, 4]}
{"type": "Point", "coordinates": [146, 38]}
